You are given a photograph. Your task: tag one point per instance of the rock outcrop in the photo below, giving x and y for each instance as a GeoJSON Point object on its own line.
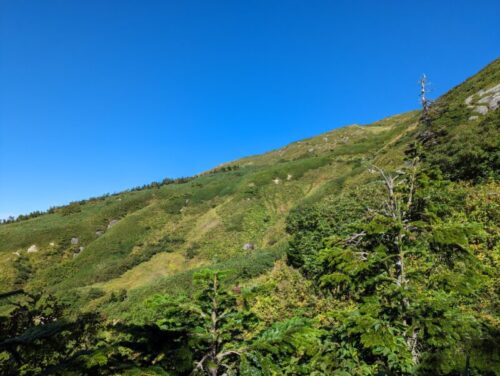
{"type": "Point", "coordinates": [33, 248]}
{"type": "Point", "coordinates": [112, 223]}
{"type": "Point", "coordinates": [483, 101]}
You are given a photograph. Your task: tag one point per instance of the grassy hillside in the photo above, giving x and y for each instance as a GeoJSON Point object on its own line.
{"type": "Point", "coordinates": [150, 240]}
{"type": "Point", "coordinates": [367, 250]}
{"type": "Point", "coordinates": [162, 231]}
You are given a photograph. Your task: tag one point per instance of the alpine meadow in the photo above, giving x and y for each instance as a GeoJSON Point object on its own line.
{"type": "Point", "coordinates": [367, 250]}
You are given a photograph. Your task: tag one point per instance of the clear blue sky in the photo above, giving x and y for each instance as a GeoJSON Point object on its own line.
{"type": "Point", "coordinates": [98, 96]}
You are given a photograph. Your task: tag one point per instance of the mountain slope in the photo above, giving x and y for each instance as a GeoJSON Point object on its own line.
{"type": "Point", "coordinates": [232, 217]}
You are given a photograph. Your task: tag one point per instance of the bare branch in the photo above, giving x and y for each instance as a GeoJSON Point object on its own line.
{"type": "Point", "coordinates": [199, 365]}
{"type": "Point", "coordinates": [221, 356]}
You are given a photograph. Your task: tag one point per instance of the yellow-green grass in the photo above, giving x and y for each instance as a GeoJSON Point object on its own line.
{"type": "Point", "coordinates": [164, 232]}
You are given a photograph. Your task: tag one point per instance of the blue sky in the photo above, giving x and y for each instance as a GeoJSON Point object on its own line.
{"type": "Point", "coordinates": [98, 96]}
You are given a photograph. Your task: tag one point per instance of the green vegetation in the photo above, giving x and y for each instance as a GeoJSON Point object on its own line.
{"type": "Point", "coordinates": [460, 146]}
{"type": "Point", "coordinates": [365, 251]}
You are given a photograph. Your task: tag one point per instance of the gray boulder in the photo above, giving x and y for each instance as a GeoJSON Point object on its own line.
{"type": "Point", "coordinates": [33, 249]}
{"type": "Point", "coordinates": [248, 246]}
{"type": "Point", "coordinates": [112, 223]}
{"type": "Point", "coordinates": [483, 110]}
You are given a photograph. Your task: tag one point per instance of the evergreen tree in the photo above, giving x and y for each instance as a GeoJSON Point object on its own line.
{"type": "Point", "coordinates": [405, 280]}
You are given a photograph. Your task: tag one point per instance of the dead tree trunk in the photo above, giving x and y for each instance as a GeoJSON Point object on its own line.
{"type": "Point", "coordinates": [424, 101]}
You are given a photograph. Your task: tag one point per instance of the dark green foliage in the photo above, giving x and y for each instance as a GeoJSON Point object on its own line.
{"type": "Point", "coordinates": [183, 335]}
{"type": "Point", "coordinates": [36, 338]}
{"type": "Point", "coordinates": [407, 276]}
{"type": "Point", "coordinates": [225, 169]}
{"type": "Point", "coordinates": [291, 347]}
{"type": "Point", "coordinates": [95, 293]}
{"type": "Point", "coordinates": [165, 244]}
{"type": "Point", "coordinates": [72, 208]}
{"type": "Point", "coordinates": [175, 204]}
{"type": "Point", "coordinates": [23, 269]}
{"type": "Point", "coordinates": [311, 225]}
{"type": "Point", "coordinates": [192, 251]}
{"type": "Point", "coordinates": [137, 348]}
{"type": "Point", "coordinates": [119, 296]}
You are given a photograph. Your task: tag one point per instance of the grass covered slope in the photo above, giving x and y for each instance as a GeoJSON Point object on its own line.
{"type": "Point", "coordinates": [150, 240]}
{"type": "Point", "coordinates": [462, 138]}
{"type": "Point", "coordinates": [136, 239]}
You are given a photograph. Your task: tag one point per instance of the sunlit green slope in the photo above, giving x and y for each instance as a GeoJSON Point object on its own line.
{"type": "Point", "coordinates": [231, 217]}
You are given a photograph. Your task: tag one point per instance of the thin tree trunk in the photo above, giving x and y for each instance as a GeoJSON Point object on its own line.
{"type": "Point", "coordinates": [214, 331]}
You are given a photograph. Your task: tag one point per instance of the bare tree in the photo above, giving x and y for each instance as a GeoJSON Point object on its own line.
{"type": "Point", "coordinates": [423, 92]}
{"type": "Point", "coordinates": [424, 100]}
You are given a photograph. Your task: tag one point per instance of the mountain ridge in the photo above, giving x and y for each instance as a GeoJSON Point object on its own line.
{"type": "Point", "coordinates": [140, 240]}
